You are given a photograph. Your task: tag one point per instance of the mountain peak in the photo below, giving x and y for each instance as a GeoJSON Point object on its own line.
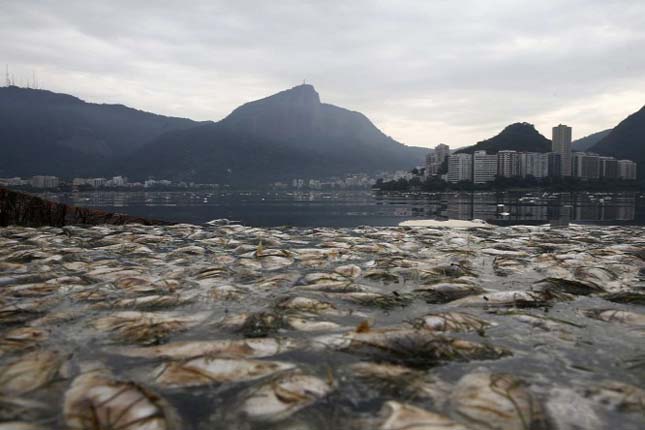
{"type": "Point", "coordinates": [525, 127]}
{"type": "Point", "coordinates": [520, 136]}
{"type": "Point", "coordinates": [302, 95]}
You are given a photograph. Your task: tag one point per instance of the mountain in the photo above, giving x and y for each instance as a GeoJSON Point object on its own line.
{"type": "Point", "coordinates": [288, 135]}
{"type": "Point", "coordinates": [626, 140]}
{"type": "Point", "coordinates": [42, 132]}
{"type": "Point", "coordinates": [520, 136]}
{"type": "Point", "coordinates": [584, 143]}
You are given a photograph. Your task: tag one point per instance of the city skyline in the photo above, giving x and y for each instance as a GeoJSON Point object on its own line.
{"type": "Point", "coordinates": [457, 74]}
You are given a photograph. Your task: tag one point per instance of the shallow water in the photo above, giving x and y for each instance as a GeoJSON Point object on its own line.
{"type": "Point", "coordinates": [228, 270]}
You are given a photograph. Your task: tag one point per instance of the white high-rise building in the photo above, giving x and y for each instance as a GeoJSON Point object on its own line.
{"type": "Point", "coordinates": [484, 167]}
{"type": "Point", "coordinates": [508, 164]}
{"type": "Point", "coordinates": [543, 166]}
{"type": "Point", "coordinates": [586, 166]}
{"type": "Point", "coordinates": [44, 181]}
{"type": "Point", "coordinates": [460, 168]}
{"type": "Point", "coordinates": [531, 165]}
{"type": "Point", "coordinates": [442, 152]}
{"type": "Point", "coordinates": [435, 159]}
{"type": "Point", "coordinates": [561, 144]}
{"type": "Point", "coordinates": [627, 169]}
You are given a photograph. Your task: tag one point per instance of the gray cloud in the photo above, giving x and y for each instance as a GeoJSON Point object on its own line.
{"type": "Point", "coordinates": [451, 71]}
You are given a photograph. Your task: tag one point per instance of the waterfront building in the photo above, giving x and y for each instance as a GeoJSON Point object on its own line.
{"type": "Point", "coordinates": [435, 159]}
{"type": "Point", "coordinates": [531, 165]}
{"type": "Point", "coordinates": [561, 144]}
{"type": "Point", "coordinates": [430, 164]}
{"type": "Point", "coordinates": [508, 164]}
{"type": "Point", "coordinates": [586, 166]}
{"type": "Point", "coordinates": [553, 164]}
{"type": "Point", "coordinates": [460, 168]}
{"type": "Point", "coordinates": [96, 182]}
{"type": "Point", "coordinates": [484, 167]}
{"type": "Point", "coordinates": [44, 181]}
{"type": "Point", "coordinates": [627, 169]}
{"type": "Point", "coordinates": [16, 181]}
{"type": "Point", "coordinates": [608, 167]}
{"type": "Point", "coordinates": [117, 181]}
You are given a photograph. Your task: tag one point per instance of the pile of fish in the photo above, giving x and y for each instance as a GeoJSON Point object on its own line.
{"type": "Point", "coordinates": [231, 327]}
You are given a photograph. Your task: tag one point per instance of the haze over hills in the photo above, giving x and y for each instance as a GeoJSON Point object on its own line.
{"type": "Point", "coordinates": [626, 140]}
{"type": "Point", "coordinates": [287, 135]}
{"type": "Point", "coordinates": [42, 132]}
{"type": "Point", "coordinates": [520, 136]}
{"type": "Point", "coordinates": [584, 143]}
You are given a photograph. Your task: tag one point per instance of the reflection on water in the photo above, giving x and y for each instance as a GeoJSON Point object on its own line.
{"type": "Point", "coordinates": [350, 208]}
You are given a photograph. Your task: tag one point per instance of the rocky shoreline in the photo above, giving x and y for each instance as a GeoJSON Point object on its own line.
{"type": "Point", "coordinates": [23, 209]}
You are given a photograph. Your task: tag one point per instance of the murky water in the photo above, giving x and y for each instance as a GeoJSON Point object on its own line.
{"type": "Point", "coordinates": [354, 208]}
{"type": "Point", "coordinates": [233, 327]}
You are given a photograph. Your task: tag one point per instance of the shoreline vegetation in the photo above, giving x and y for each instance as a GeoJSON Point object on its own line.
{"type": "Point", "coordinates": [418, 183]}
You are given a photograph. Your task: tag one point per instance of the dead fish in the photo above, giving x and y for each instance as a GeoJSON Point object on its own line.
{"type": "Point", "coordinates": [269, 260]}
{"type": "Point", "coordinates": [453, 270]}
{"type": "Point", "coordinates": [148, 327]}
{"type": "Point", "coordinates": [245, 348]}
{"type": "Point", "coordinates": [262, 324]}
{"type": "Point", "coordinates": [567, 410]}
{"type": "Point", "coordinates": [283, 396]}
{"type": "Point", "coordinates": [20, 339]}
{"type": "Point", "coordinates": [617, 396]}
{"type": "Point", "coordinates": [142, 285]}
{"type": "Point", "coordinates": [383, 276]}
{"type": "Point", "coordinates": [29, 290]}
{"type": "Point", "coordinates": [614, 315]}
{"type": "Point", "coordinates": [377, 300]}
{"type": "Point", "coordinates": [518, 298]}
{"type": "Point", "coordinates": [628, 297]}
{"type": "Point", "coordinates": [154, 301]}
{"type": "Point", "coordinates": [400, 380]}
{"type": "Point", "coordinates": [303, 324]}
{"type": "Point", "coordinates": [96, 400]}
{"type": "Point", "coordinates": [568, 286]}
{"type": "Point", "coordinates": [505, 266]}
{"type": "Point", "coordinates": [187, 250]}
{"type": "Point", "coordinates": [208, 370]}
{"type": "Point", "coordinates": [306, 304]}
{"type": "Point", "coordinates": [398, 416]}
{"type": "Point", "coordinates": [324, 282]}
{"type": "Point", "coordinates": [447, 292]}
{"type": "Point", "coordinates": [349, 271]}
{"type": "Point", "coordinates": [451, 321]}
{"type": "Point", "coordinates": [29, 372]}
{"type": "Point", "coordinates": [410, 347]}
{"type": "Point", "coordinates": [227, 292]}
{"type": "Point", "coordinates": [483, 401]}
{"type": "Point", "coordinates": [14, 313]}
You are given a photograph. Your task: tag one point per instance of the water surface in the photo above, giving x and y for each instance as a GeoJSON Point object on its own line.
{"type": "Point", "coordinates": [354, 208]}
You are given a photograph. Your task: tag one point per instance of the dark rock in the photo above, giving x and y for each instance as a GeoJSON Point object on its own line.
{"type": "Point", "coordinates": [31, 211]}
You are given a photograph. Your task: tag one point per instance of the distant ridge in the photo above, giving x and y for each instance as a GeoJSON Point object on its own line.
{"type": "Point", "coordinates": [584, 143]}
{"type": "Point", "coordinates": [626, 140]}
{"type": "Point", "coordinates": [520, 136]}
{"type": "Point", "coordinates": [42, 132]}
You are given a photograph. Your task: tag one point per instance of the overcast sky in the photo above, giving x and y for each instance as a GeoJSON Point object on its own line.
{"type": "Point", "coordinates": [425, 72]}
